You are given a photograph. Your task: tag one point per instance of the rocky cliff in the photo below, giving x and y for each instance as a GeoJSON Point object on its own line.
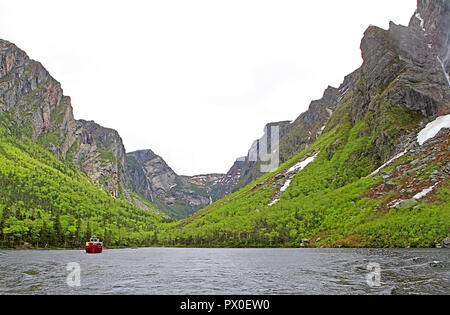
{"type": "Point", "coordinates": [99, 152]}
{"type": "Point", "coordinates": [178, 196]}
{"type": "Point", "coordinates": [32, 105]}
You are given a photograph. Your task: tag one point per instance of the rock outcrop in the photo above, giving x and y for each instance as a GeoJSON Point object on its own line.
{"type": "Point", "coordinates": [100, 154]}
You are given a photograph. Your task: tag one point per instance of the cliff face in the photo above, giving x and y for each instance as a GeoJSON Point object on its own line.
{"type": "Point", "coordinates": [32, 102]}
{"type": "Point", "coordinates": [99, 152]}
{"type": "Point", "coordinates": [149, 175]}
{"type": "Point", "coordinates": [432, 20]}
{"type": "Point", "coordinates": [408, 61]}
{"type": "Point", "coordinates": [32, 105]}
{"type": "Point", "coordinates": [402, 67]}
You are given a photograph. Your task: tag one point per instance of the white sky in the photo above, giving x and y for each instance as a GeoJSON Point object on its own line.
{"type": "Point", "coordinates": [195, 81]}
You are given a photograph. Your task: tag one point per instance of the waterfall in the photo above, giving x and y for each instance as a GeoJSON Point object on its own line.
{"type": "Point", "coordinates": [443, 70]}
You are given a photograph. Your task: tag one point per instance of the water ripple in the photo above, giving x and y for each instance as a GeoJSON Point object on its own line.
{"type": "Point", "coordinates": [226, 271]}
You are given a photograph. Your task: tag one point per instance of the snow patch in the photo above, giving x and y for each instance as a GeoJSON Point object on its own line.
{"type": "Point", "coordinates": [444, 71]}
{"type": "Point", "coordinates": [330, 112]}
{"type": "Point", "coordinates": [301, 165]}
{"type": "Point", "coordinates": [292, 172]}
{"type": "Point", "coordinates": [286, 185]}
{"type": "Point", "coordinates": [418, 196]}
{"type": "Point", "coordinates": [433, 128]}
{"type": "Point", "coordinates": [424, 192]}
{"type": "Point", "coordinates": [389, 162]}
{"type": "Point", "coordinates": [422, 22]}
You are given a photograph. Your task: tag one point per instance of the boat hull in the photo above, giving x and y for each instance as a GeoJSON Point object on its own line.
{"type": "Point", "coordinates": [93, 248]}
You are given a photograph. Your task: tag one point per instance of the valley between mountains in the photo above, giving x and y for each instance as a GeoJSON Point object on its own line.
{"type": "Point", "coordinates": [367, 165]}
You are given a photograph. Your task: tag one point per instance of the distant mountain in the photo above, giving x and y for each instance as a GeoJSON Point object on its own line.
{"type": "Point", "coordinates": [178, 196]}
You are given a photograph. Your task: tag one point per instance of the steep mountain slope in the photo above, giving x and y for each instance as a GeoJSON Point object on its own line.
{"type": "Point", "coordinates": [32, 105]}
{"type": "Point", "coordinates": [368, 180]}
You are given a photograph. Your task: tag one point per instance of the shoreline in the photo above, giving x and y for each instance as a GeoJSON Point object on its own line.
{"type": "Point", "coordinates": [186, 247]}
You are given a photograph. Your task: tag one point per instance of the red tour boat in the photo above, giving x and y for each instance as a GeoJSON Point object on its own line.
{"type": "Point", "coordinates": [94, 246]}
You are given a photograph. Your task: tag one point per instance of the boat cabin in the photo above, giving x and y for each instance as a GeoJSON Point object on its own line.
{"type": "Point", "coordinates": [94, 240]}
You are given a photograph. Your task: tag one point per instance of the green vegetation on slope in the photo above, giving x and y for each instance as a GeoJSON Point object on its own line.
{"type": "Point", "coordinates": [326, 202]}
{"type": "Point", "coordinates": [45, 202]}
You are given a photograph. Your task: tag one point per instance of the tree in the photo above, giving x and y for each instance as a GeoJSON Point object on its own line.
{"type": "Point", "coordinates": [2, 226]}
{"type": "Point", "coordinates": [89, 231]}
{"type": "Point", "coordinates": [78, 231]}
{"type": "Point", "coordinates": [15, 229]}
{"type": "Point", "coordinates": [58, 236]}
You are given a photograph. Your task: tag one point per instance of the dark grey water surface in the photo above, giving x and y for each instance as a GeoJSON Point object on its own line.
{"type": "Point", "coordinates": [226, 271]}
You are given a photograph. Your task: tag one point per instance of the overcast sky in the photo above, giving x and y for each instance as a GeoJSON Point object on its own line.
{"type": "Point", "coordinates": [195, 81]}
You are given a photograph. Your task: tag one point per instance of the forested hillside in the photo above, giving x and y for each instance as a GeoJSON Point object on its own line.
{"type": "Point", "coordinates": [45, 202]}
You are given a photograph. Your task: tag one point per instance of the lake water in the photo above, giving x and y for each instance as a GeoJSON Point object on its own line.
{"type": "Point", "coordinates": [226, 271]}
